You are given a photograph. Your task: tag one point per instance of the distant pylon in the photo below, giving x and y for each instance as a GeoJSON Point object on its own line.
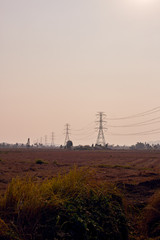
{"type": "Point", "coordinates": [28, 142]}
{"type": "Point", "coordinates": [45, 140]}
{"type": "Point", "coordinates": [66, 134]}
{"type": "Point", "coordinates": [52, 139]}
{"type": "Point", "coordinates": [100, 137]}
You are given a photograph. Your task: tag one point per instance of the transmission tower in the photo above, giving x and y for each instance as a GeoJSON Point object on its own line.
{"type": "Point", "coordinates": [52, 139]}
{"type": "Point", "coordinates": [101, 128]}
{"type": "Point", "coordinates": [66, 134]}
{"type": "Point", "coordinates": [45, 140]}
{"type": "Point", "coordinates": [28, 142]}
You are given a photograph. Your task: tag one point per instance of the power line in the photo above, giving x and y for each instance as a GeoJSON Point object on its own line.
{"type": "Point", "coordinates": [87, 131]}
{"type": "Point", "coordinates": [139, 124]}
{"type": "Point", "coordinates": [85, 137]}
{"type": "Point", "coordinates": [142, 114]}
{"type": "Point", "coordinates": [83, 128]}
{"type": "Point", "coordinates": [153, 131]}
{"type": "Point", "coordinates": [83, 133]}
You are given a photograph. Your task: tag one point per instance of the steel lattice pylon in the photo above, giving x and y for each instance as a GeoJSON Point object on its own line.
{"type": "Point", "coordinates": [66, 134]}
{"type": "Point", "coordinates": [101, 137]}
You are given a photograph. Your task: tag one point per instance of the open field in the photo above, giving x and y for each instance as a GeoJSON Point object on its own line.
{"type": "Point", "coordinates": [135, 173]}
{"type": "Point", "coordinates": [131, 167]}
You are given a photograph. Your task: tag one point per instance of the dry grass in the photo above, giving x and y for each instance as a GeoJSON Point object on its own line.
{"type": "Point", "coordinates": [152, 216]}
{"type": "Point", "coordinates": [66, 207]}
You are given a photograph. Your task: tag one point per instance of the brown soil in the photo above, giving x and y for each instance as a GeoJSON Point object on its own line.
{"type": "Point", "coordinates": [137, 173]}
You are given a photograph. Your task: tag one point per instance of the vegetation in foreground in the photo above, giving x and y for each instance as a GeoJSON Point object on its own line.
{"type": "Point", "coordinates": [63, 208]}
{"type": "Point", "coordinates": [152, 217]}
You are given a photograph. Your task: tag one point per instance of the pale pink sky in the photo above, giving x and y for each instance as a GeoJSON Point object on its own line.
{"type": "Point", "coordinates": [63, 61]}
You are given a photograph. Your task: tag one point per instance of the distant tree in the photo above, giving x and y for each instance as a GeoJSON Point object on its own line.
{"type": "Point", "coordinates": [69, 144]}
{"type": "Point", "coordinates": [140, 146]}
{"type": "Point", "coordinates": [148, 146]}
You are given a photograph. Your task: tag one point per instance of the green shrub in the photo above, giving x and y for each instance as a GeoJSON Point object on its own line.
{"type": "Point", "coordinates": [66, 207]}
{"type": "Point", "coordinates": [39, 161]}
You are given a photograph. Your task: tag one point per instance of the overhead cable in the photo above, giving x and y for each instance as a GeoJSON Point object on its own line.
{"type": "Point", "coordinates": [138, 124]}
{"type": "Point", "coordinates": [149, 112]}
{"type": "Point", "coordinates": [153, 131]}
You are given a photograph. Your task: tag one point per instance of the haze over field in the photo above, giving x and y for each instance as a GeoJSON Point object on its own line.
{"type": "Point", "coordinates": [63, 61]}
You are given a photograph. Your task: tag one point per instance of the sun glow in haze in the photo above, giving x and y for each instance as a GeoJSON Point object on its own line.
{"type": "Point", "coordinates": [142, 2]}
{"type": "Point", "coordinates": [146, 6]}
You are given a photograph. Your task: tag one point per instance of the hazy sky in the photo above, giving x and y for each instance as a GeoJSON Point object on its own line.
{"type": "Point", "coordinates": [63, 61]}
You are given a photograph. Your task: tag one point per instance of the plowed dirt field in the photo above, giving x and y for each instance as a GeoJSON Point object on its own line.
{"type": "Point", "coordinates": [138, 171]}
